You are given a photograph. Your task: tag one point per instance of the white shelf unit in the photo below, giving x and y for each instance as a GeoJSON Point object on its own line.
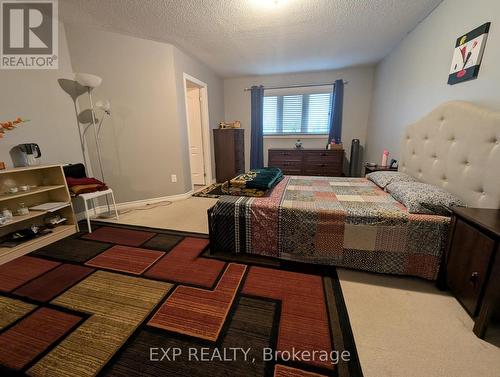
{"type": "Point", "coordinates": [48, 185]}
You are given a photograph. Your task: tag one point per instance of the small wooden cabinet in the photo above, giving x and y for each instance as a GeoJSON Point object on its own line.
{"type": "Point", "coordinates": [229, 148]}
{"type": "Point", "coordinates": [47, 184]}
{"type": "Point", "coordinates": [319, 162]}
{"type": "Point", "coordinates": [473, 262]}
{"type": "Point", "coordinates": [373, 168]}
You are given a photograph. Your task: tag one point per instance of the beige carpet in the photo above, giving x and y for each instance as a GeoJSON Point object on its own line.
{"type": "Point", "coordinates": [403, 327]}
{"type": "Point", "coordinates": [188, 215]}
{"type": "Point", "coordinates": [407, 327]}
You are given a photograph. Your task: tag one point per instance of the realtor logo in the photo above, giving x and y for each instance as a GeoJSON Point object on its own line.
{"type": "Point", "coordinates": [29, 34]}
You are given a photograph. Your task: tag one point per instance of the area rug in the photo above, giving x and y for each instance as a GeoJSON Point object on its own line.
{"type": "Point", "coordinates": [212, 191]}
{"type": "Point", "coordinates": [132, 301]}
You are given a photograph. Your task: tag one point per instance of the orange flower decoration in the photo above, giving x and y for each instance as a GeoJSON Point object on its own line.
{"type": "Point", "coordinates": [10, 125]}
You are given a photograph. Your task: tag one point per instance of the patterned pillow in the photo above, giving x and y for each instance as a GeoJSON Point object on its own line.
{"type": "Point", "coordinates": [383, 178]}
{"type": "Point", "coordinates": [424, 198]}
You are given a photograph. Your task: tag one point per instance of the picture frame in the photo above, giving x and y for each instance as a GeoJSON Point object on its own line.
{"type": "Point", "coordinates": [468, 54]}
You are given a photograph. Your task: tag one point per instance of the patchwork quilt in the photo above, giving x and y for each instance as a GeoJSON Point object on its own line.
{"type": "Point", "coordinates": [348, 222]}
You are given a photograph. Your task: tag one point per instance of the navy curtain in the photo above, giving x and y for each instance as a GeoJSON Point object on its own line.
{"type": "Point", "coordinates": [336, 112]}
{"type": "Point", "coordinates": [257, 136]}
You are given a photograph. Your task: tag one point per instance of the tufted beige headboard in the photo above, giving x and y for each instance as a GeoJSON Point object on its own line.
{"type": "Point", "coordinates": [457, 147]}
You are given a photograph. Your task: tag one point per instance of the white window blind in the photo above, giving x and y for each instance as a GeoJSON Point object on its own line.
{"type": "Point", "coordinates": [297, 113]}
{"type": "Point", "coordinates": [270, 113]}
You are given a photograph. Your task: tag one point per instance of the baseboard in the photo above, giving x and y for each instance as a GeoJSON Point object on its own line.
{"type": "Point", "coordinates": [137, 203]}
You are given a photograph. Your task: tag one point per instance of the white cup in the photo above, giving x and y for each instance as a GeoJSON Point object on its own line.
{"type": "Point", "coordinates": [7, 214]}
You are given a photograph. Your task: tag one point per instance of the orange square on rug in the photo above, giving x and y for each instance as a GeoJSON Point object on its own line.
{"type": "Point", "coordinates": [133, 260]}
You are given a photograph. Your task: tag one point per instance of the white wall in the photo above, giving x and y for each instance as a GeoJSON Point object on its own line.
{"type": "Point", "coordinates": [145, 140]}
{"type": "Point", "coordinates": [139, 142]}
{"type": "Point", "coordinates": [36, 95]}
{"type": "Point", "coordinates": [357, 100]}
{"type": "Point", "coordinates": [412, 80]}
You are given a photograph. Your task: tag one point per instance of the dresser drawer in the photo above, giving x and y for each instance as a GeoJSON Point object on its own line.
{"type": "Point", "coordinates": [323, 155]}
{"type": "Point", "coordinates": [319, 162]}
{"type": "Point", "coordinates": [324, 165]}
{"type": "Point", "coordinates": [284, 162]}
{"type": "Point", "coordinates": [467, 267]}
{"type": "Point", "coordinates": [288, 167]}
{"type": "Point", "coordinates": [285, 154]}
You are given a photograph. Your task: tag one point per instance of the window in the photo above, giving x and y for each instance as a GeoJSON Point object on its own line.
{"type": "Point", "coordinates": [297, 114]}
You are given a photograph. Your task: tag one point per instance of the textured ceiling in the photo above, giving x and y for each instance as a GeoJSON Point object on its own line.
{"type": "Point", "coordinates": [245, 37]}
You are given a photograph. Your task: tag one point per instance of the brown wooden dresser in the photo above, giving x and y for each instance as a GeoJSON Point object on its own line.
{"type": "Point", "coordinates": [321, 162]}
{"type": "Point", "coordinates": [473, 263]}
{"type": "Point", "coordinates": [229, 149]}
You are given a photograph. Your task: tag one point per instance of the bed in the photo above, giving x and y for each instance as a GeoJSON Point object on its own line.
{"type": "Point", "coordinates": [351, 222]}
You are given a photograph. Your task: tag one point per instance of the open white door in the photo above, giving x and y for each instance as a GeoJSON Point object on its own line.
{"type": "Point", "coordinates": [195, 136]}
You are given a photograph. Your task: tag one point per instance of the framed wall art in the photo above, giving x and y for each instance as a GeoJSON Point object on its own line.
{"type": "Point", "coordinates": [468, 54]}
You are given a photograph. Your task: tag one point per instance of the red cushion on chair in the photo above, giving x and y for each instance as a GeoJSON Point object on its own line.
{"type": "Point", "coordinates": [82, 189]}
{"type": "Point", "coordinates": [83, 181]}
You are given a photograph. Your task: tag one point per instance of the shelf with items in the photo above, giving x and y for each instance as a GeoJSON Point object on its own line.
{"type": "Point", "coordinates": [57, 233]}
{"type": "Point", "coordinates": [40, 197]}
{"type": "Point", "coordinates": [31, 191]}
{"type": "Point", "coordinates": [47, 184]}
{"type": "Point", "coordinates": [20, 218]}
{"type": "Point", "coordinates": [31, 215]}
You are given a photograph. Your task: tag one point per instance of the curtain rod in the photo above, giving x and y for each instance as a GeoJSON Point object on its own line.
{"type": "Point", "coordinates": [297, 86]}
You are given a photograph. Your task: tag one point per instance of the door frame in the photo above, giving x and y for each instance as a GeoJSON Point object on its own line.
{"type": "Point", "coordinates": [205, 126]}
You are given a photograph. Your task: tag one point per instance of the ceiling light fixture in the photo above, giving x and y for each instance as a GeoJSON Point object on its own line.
{"type": "Point", "coordinates": [269, 4]}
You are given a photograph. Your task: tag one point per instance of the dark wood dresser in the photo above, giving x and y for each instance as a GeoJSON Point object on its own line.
{"type": "Point", "coordinates": [322, 162]}
{"type": "Point", "coordinates": [473, 263]}
{"type": "Point", "coordinates": [229, 149]}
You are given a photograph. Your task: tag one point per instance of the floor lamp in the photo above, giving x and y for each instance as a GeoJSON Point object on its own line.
{"type": "Point", "coordinates": [91, 82]}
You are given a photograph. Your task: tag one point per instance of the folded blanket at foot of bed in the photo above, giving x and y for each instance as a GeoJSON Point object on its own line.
{"type": "Point", "coordinates": [227, 189]}
{"type": "Point", "coordinates": [258, 179]}
{"type": "Point", "coordinates": [254, 183]}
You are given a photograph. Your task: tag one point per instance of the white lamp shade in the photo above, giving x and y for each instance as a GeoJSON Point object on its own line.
{"type": "Point", "coordinates": [88, 80]}
{"type": "Point", "coordinates": [103, 105]}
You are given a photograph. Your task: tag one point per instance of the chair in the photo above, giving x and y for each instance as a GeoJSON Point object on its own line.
{"type": "Point", "coordinates": [78, 171]}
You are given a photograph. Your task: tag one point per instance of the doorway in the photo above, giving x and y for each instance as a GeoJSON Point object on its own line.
{"type": "Point", "coordinates": [198, 130]}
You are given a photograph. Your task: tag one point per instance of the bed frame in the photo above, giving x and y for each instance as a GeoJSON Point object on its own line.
{"type": "Point", "coordinates": [457, 147]}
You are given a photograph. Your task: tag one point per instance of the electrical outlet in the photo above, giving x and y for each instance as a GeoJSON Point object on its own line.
{"type": "Point", "coordinates": [174, 178]}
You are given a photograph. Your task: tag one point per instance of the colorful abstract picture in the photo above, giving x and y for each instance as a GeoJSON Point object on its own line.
{"type": "Point", "coordinates": [468, 54]}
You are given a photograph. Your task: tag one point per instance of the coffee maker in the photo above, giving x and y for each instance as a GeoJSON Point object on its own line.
{"type": "Point", "coordinates": [27, 154]}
